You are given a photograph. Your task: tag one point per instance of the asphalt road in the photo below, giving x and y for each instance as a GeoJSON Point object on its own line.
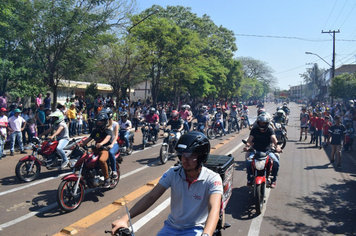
{"type": "Point", "coordinates": [312, 197]}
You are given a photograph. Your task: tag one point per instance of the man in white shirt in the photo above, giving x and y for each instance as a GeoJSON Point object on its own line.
{"type": "Point", "coordinates": [3, 131]}
{"type": "Point", "coordinates": [16, 125]}
{"type": "Point", "coordinates": [125, 126]}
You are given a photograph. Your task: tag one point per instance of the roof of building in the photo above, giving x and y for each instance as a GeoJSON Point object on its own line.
{"type": "Point", "coordinates": [351, 68]}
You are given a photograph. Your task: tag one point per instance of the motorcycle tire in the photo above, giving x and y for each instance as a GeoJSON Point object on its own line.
{"type": "Point", "coordinates": [260, 197]}
{"type": "Point", "coordinates": [23, 173]}
{"type": "Point", "coordinates": [211, 133]}
{"type": "Point", "coordinates": [66, 201]}
{"type": "Point", "coordinates": [144, 142]}
{"type": "Point", "coordinates": [163, 153]}
{"type": "Point", "coordinates": [284, 142]}
{"type": "Point", "coordinates": [114, 182]}
{"type": "Point", "coordinates": [229, 129]}
{"type": "Point", "coordinates": [131, 148]}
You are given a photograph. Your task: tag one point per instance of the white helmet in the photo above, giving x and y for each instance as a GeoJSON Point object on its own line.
{"type": "Point", "coordinates": [59, 115]}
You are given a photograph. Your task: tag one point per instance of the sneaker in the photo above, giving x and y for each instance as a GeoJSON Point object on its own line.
{"type": "Point", "coordinates": [3, 155]}
{"type": "Point", "coordinates": [136, 130]}
{"type": "Point", "coordinates": [64, 164]}
{"type": "Point", "coordinates": [305, 138]}
{"type": "Point", "coordinates": [249, 183]}
{"type": "Point", "coordinates": [332, 161]}
{"type": "Point", "coordinates": [320, 147]}
{"type": "Point", "coordinates": [23, 152]}
{"type": "Point", "coordinates": [273, 184]}
{"type": "Point", "coordinates": [114, 175]}
{"type": "Point", "coordinates": [107, 183]}
{"type": "Point", "coordinates": [12, 154]}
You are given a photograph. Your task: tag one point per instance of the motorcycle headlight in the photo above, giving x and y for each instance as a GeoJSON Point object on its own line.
{"type": "Point", "coordinates": [72, 163]}
{"type": "Point", "coordinates": [165, 135]}
{"type": "Point", "coordinates": [260, 165]}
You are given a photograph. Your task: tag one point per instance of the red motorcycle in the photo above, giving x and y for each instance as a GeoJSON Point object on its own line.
{"type": "Point", "coordinates": [262, 165]}
{"type": "Point", "coordinates": [43, 154]}
{"type": "Point", "coordinates": [71, 190]}
{"type": "Point", "coordinates": [122, 146]}
{"type": "Point", "coordinates": [214, 129]}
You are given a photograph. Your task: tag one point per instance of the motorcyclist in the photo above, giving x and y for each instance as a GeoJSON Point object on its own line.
{"type": "Point", "coordinates": [280, 117]}
{"type": "Point", "coordinates": [125, 126]}
{"type": "Point", "coordinates": [61, 132]}
{"type": "Point", "coordinates": [196, 192]}
{"type": "Point", "coordinates": [176, 123]}
{"type": "Point", "coordinates": [245, 113]}
{"type": "Point", "coordinates": [260, 139]}
{"type": "Point", "coordinates": [184, 114]}
{"type": "Point", "coordinates": [153, 119]}
{"type": "Point", "coordinates": [219, 118]}
{"type": "Point", "coordinates": [233, 114]}
{"type": "Point", "coordinates": [286, 110]}
{"type": "Point", "coordinates": [114, 146]}
{"type": "Point", "coordinates": [103, 137]}
{"type": "Point", "coordinates": [202, 120]}
{"type": "Point", "coordinates": [224, 115]}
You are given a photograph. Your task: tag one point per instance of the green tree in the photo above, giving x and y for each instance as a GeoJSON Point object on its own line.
{"type": "Point", "coordinates": [92, 90]}
{"type": "Point", "coordinates": [67, 33]}
{"type": "Point", "coordinates": [344, 86]}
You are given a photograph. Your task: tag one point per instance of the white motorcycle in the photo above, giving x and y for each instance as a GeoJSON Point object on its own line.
{"type": "Point", "coordinates": [170, 139]}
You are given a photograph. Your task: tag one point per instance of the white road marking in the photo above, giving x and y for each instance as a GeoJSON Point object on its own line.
{"type": "Point", "coordinates": [141, 222]}
{"type": "Point", "coordinates": [255, 225]}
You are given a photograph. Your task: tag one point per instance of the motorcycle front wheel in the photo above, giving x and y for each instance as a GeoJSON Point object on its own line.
{"type": "Point", "coordinates": [65, 197]}
{"type": "Point", "coordinates": [211, 133]}
{"type": "Point", "coordinates": [144, 142]}
{"type": "Point", "coordinates": [260, 197]}
{"type": "Point", "coordinates": [24, 171]}
{"type": "Point", "coordinates": [131, 148]}
{"type": "Point", "coordinates": [163, 153]}
{"type": "Point", "coordinates": [284, 142]}
{"type": "Point", "coordinates": [114, 182]}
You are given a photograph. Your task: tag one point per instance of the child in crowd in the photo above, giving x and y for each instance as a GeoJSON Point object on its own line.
{"type": "Point", "coordinates": [32, 127]}
{"type": "Point", "coordinates": [349, 137]}
{"type": "Point", "coordinates": [326, 126]}
{"type": "Point", "coordinates": [80, 122]}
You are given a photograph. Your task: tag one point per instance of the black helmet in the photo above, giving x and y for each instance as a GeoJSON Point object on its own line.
{"type": "Point", "coordinates": [265, 119]}
{"type": "Point", "coordinates": [107, 111]}
{"type": "Point", "coordinates": [194, 142]}
{"type": "Point", "coordinates": [102, 117]}
{"type": "Point", "coordinates": [152, 110]}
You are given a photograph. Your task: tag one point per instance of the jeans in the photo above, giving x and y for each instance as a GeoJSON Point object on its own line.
{"type": "Point", "coordinates": [318, 135]}
{"type": "Point", "coordinates": [125, 136]}
{"type": "Point", "coordinates": [2, 144]}
{"type": "Point", "coordinates": [26, 130]}
{"type": "Point", "coordinates": [237, 123]}
{"type": "Point", "coordinates": [112, 152]}
{"type": "Point", "coordinates": [168, 230]}
{"type": "Point", "coordinates": [275, 166]}
{"type": "Point", "coordinates": [80, 129]}
{"type": "Point", "coordinates": [61, 144]}
{"type": "Point", "coordinates": [18, 136]}
{"type": "Point", "coordinates": [85, 125]}
{"type": "Point", "coordinates": [186, 126]}
{"type": "Point", "coordinates": [72, 127]}
{"type": "Point", "coordinates": [135, 123]}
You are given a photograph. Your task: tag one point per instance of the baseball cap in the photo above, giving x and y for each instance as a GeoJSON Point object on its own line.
{"type": "Point", "coordinates": [17, 110]}
{"type": "Point", "coordinates": [3, 109]}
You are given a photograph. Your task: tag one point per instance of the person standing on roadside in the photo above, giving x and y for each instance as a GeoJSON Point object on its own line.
{"type": "Point", "coordinates": [3, 131]}
{"type": "Point", "coordinates": [16, 125]}
{"type": "Point", "coordinates": [3, 100]}
{"type": "Point", "coordinates": [304, 120]}
{"type": "Point", "coordinates": [38, 101]}
{"type": "Point", "coordinates": [336, 133]}
{"type": "Point", "coordinates": [319, 130]}
{"type": "Point", "coordinates": [72, 116]}
{"type": "Point", "coordinates": [40, 119]}
{"type": "Point", "coordinates": [47, 101]}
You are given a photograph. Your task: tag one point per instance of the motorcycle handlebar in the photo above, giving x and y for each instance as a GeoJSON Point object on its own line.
{"type": "Point", "coordinates": [120, 232]}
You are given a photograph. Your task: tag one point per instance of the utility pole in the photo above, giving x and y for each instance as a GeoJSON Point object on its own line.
{"type": "Point", "coordinates": [333, 62]}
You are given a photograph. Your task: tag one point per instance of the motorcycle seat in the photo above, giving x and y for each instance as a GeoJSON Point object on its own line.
{"type": "Point", "coordinates": [260, 156]}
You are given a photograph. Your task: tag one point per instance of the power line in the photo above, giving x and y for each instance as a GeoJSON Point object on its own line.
{"type": "Point", "coordinates": [291, 37]}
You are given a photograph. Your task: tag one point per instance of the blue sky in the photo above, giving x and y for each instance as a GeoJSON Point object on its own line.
{"type": "Point", "coordinates": [304, 19]}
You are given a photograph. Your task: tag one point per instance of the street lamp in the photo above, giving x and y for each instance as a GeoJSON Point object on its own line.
{"type": "Point", "coordinates": [319, 57]}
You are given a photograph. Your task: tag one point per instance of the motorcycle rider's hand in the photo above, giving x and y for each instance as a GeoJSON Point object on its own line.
{"type": "Point", "coordinates": [246, 148]}
{"type": "Point", "coordinates": [117, 224]}
{"type": "Point", "coordinates": [110, 146]}
{"type": "Point", "coordinates": [98, 145]}
{"type": "Point", "coordinates": [278, 149]}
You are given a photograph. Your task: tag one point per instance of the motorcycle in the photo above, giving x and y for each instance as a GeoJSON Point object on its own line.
{"type": "Point", "coordinates": [262, 165]}
{"type": "Point", "coordinates": [71, 190]}
{"type": "Point", "coordinates": [198, 127]}
{"type": "Point", "coordinates": [214, 129]}
{"type": "Point", "coordinates": [281, 134]}
{"type": "Point", "coordinates": [232, 126]}
{"type": "Point", "coordinates": [243, 121]}
{"type": "Point", "coordinates": [122, 146]}
{"type": "Point", "coordinates": [148, 134]}
{"type": "Point", "coordinates": [43, 154]}
{"type": "Point", "coordinates": [170, 139]}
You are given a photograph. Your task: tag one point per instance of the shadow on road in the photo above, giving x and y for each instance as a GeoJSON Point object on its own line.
{"type": "Point", "coordinates": [334, 207]}
{"type": "Point", "coordinates": [241, 204]}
